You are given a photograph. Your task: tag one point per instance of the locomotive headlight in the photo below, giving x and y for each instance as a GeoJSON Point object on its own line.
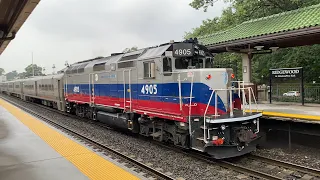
{"type": "Point", "coordinates": [255, 121]}
{"type": "Point", "coordinates": [223, 127]}
{"type": "Point", "coordinates": [182, 124]}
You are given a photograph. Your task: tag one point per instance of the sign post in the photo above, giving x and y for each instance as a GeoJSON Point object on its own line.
{"type": "Point", "coordinates": [287, 73]}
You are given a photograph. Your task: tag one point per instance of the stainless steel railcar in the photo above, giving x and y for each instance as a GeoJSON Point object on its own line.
{"type": "Point", "coordinates": [46, 90]}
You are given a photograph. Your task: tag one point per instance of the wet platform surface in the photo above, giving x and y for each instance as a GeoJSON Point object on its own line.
{"type": "Point", "coordinates": [308, 112]}
{"type": "Point", "coordinates": [32, 150]}
{"type": "Point", "coordinates": [24, 155]}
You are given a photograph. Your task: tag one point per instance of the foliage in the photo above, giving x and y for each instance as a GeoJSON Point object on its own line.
{"type": "Point", "coordinates": [11, 75]}
{"type": "Point", "coordinates": [28, 73]}
{"type": "Point", "coordinates": [37, 70]}
{"type": "Point", "coordinates": [244, 10]}
{"type": "Point", "coordinates": [2, 71]}
{"type": "Point", "coordinates": [257, 6]}
{"type": "Point", "coordinates": [126, 50]}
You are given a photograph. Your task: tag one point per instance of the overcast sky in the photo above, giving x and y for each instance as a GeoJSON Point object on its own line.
{"type": "Point", "coordinates": [75, 30]}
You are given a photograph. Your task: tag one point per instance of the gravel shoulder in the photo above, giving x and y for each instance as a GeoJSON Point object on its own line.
{"type": "Point", "coordinates": [301, 155]}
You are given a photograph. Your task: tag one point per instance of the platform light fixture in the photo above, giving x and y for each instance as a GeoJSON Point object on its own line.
{"type": "Point", "coordinates": [245, 69]}
{"type": "Point", "coordinates": [274, 49]}
{"type": "Point", "coordinates": [259, 48]}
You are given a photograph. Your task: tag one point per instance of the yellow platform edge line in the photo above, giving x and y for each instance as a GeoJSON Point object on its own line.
{"type": "Point", "coordinates": [287, 115]}
{"type": "Point", "coordinates": [88, 162]}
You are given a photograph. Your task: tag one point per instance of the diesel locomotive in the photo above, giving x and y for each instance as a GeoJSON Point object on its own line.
{"type": "Point", "coordinates": [170, 92]}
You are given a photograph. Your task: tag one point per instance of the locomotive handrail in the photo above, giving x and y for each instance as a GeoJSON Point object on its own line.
{"type": "Point", "coordinates": [204, 117]}
{"type": "Point", "coordinates": [180, 97]}
{"type": "Point", "coordinates": [124, 89]}
{"type": "Point", "coordinates": [191, 89]}
{"type": "Point", "coordinates": [230, 90]}
{"type": "Point", "coordinates": [180, 94]}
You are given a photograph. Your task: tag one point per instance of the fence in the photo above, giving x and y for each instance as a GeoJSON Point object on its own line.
{"type": "Point", "coordinates": [280, 92]}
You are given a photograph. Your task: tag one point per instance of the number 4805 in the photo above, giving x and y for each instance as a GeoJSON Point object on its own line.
{"type": "Point", "coordinates": [149, 89]}
{"type": "Point", "coordinates": [182, 52]}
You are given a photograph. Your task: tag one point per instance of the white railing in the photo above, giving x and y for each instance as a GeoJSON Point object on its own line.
{"type": "Point", "coordinates": [189, 74]}
{"type": "Point", "coordinates": [241, 91]}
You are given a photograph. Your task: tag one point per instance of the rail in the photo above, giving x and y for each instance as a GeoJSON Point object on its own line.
{"type": "Point", "coordinates": [288, 165]}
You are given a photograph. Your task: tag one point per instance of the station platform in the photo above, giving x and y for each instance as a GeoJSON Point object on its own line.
{"type": "Point", "coordinates": [32, 150]}
{"type": "Point", "coordinates": [309, 113]}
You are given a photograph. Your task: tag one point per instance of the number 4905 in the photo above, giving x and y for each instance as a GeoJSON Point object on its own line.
{"type": "Point", "coordinates": [149, 89]}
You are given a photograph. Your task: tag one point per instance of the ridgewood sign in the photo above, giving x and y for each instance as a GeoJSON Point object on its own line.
{"type": "Point", "coordinates": [286, 73]}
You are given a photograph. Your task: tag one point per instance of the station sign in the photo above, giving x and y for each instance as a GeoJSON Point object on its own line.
{"type": "Point", "coordinates": [286, 73]}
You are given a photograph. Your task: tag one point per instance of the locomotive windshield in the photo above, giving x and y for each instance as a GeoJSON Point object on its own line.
{"type": "Point", "coordinates": [193, 62]}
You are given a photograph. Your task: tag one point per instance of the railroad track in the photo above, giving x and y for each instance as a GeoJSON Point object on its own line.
{"type": "Point", "coordinates": [223, 163]}
{"type": "Point", "coordinates": [142, 167]}
{"type": "Point", "coordinates": [287, 165]}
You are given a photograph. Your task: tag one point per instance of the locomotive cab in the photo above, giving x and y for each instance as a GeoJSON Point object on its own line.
{"type": "Point", "coordinates": [216, 108]}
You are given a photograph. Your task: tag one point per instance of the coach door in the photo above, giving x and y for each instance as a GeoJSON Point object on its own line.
{"type": "Point", "coordinates": [21, 88]}
{"type": "Point", "coordinates": [36, 87]}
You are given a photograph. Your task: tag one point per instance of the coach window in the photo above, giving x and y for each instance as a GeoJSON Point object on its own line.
{"type": "Point", "coordinates": [149, 69]}
{"type": "Point", "coordinates": [167, 66]}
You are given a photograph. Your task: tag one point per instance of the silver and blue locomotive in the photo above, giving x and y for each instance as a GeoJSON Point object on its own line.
{"type": "Point", "coordinates": [170, 92]}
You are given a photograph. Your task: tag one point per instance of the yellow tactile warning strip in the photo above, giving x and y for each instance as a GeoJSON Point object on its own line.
{"type": "Point", "coordinates": [287, 115]}
{"type": "Point", "coordinates": [89, 163]}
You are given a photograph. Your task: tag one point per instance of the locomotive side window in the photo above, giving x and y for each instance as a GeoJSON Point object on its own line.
{"type": "Point", "coordinates": [148, 69]}
{"type": "Point", "coordinates": [208, 63]}
{"type": "Point", "coordinates": [99, 67]}
{"type": "Point", "coordinates": [127, 64]}
{"type": "Point", "coordinates": [167, 66]}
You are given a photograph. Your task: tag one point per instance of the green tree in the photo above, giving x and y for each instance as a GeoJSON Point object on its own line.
{"type": "Point", "coordinates": [126, 50]}
{"type": "Point", "coordinates": [11, 75]}
{"type": "Point", "coordinates": [265, 6]}
{"type": "Point", "coordinates": [22, 75]}
{"type": "Point", "coordinates": [244, 10]}
{"type": "Point", "coordinates": [2, 71]}
{"type": "Point", "coordinates": [37, 70]}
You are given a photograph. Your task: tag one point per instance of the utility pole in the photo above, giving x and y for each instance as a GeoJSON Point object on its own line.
{"type": "Point", "coordinates": [53, 67]}
{"type": "Point", "coordinates": [32, 64]}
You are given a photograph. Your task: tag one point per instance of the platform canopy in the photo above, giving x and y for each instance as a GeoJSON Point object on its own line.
{"type": "Point", "coordinates": [289, 29]}
{"type": "Point", "coordinates": [13, 13]}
